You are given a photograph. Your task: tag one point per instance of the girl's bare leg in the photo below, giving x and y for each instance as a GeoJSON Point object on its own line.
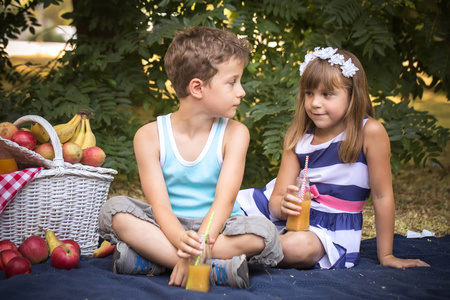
{"type": "Point", "coordinates": [301, 249]}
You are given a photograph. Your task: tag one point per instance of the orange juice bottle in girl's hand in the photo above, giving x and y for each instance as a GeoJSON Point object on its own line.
{"type": "Point", "coordinates": [301, 222]}
{"type": "Point", "coordinates": [7, 162]}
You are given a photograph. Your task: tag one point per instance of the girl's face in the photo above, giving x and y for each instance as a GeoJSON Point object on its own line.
{"type": "Point", "coordinates": [327, 108]}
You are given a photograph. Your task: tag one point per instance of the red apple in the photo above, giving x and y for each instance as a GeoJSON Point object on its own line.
{"type": "Point", "coordinates": [46, 150]}
{"type": "Point", "coordinates": [65, 256]}
{"type": "Point", "coordinates": [73, 243]}
{"type": "Point", "coordinates": [93, 156]}
{"type": "Point", "coordinates": [7, 130]}
{"type": "Point", "coordinates": [7, 244]}
{"type": "Point", "coordinates": [72, 153]}
{"type": "Point", "coordinates": [35, 249]}
{"type": "Point", "coordinates": [25, 139]}
{"type": "Point", "coordinates": [7, 255]}
{"type": "Point", "coordinates": [18, 266]}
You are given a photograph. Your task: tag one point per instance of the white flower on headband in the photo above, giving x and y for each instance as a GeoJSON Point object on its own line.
{"type": "Point", "coordinates": [308, 58]}
{"type": "Point", "coordinates": [337, 59]}
{"type": "Point", "coordinates": [347, 67]}
{"type": "Point", "coordinates": [324, 53]}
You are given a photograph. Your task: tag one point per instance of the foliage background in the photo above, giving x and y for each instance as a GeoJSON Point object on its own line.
{"type": "Point", "coordinates": [116, 70]}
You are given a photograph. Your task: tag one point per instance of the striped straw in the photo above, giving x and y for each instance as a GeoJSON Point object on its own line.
{"type": "Point", "coordinates": [302, 191]}
{"type": "Point", "coordinates": [204, 237]}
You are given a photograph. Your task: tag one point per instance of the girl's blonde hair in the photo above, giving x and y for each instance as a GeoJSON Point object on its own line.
{"type": "Point", "coordinates": [320, 72]}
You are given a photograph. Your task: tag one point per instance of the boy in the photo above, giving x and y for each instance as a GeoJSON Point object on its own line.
{"type": "Point", "coordinates": [191, 162]}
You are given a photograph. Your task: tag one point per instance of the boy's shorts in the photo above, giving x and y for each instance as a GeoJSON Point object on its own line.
{"type": "Point", "coordinates": [260, 226]}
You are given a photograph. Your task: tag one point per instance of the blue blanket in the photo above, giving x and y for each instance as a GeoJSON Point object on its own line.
{"type": "Point", "coordinates": [93, 279]}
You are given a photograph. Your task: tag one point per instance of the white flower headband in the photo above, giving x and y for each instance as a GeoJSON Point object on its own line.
{"type": "Point", "coordinates": [347, 67]}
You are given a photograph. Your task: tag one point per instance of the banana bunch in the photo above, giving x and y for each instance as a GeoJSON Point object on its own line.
{"type": "Point", "coordinates": [66, 131]}
{"type": "Point", "coordinates": [83, 135]}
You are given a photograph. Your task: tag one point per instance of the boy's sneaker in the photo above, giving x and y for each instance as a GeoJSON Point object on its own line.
{"type": "Point", "coordinates": [232, 272]}
{"type": "Point", "coordinates": [127, 261]}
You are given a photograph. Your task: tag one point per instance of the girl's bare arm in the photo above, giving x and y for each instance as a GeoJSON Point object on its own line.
{"type": "Point", "coordinates": [377, 151]}
{"type": "Point", "coordinates": [285, 188]}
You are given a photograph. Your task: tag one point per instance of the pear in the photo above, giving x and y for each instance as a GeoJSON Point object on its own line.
{"type": "Point", "coordinates": [104, 250]}
{"type": "Point", "coordinates": [52, 240]}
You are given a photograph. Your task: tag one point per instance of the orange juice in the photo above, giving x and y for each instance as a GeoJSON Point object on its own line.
{"type": "Point", "coordinates": [300, 222]}
{"type": "Point", "coordinates": [198, 278]}
{"type": "Point", "coordinates": [7, 165]}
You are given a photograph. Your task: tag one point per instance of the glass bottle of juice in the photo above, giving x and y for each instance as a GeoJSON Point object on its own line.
{"type": "Point", "coordinates": [198, 274]}
{"type": "Point", "coordinates": [301, 222]}
{"type": "Point", "coordinates": [7, 162]}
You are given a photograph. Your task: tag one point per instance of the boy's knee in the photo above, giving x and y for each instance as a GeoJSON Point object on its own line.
{"type": "Point", "coordinates": [262, 229]}
{"type": "Point", "coordinates": [271, 233]}
{"type": "Point", "coordinates": [119, 218]}
{"type": "Point", "coordinates": [271, 251]}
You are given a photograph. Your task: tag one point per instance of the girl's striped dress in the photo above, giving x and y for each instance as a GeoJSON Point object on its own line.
{"type": "Point", "coordinates": [340, 191]}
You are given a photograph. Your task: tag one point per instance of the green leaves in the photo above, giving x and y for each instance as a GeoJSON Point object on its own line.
{"type": "Point", "coordinates": [342, 11]}
{"type": "Point", "coordinates": [414, 135]}
{"type": "Point", "coordinates": [372, 32]}
{"type": "Point", "coordinates": [116, 67]}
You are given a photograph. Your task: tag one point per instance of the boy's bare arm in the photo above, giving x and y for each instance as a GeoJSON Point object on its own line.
{"type": "Point", "coordinates": [146, 147]}
{"type": "Point", "coordinates": [235, 144]}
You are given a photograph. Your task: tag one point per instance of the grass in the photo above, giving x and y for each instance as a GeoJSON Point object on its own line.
{"type": "Point", "coordinates": [421, 195]}
{"type": "Point", "coordinates": [421, 199]}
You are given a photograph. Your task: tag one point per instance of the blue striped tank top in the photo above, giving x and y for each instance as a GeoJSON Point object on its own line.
{"type": "Point", "coordinates": [334, 183]}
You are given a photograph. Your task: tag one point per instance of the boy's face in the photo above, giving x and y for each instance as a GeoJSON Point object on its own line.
{"type": "Point", "coordinates": [223, 94]}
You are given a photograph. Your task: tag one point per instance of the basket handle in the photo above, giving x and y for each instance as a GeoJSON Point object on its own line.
{"type": "Point", "coordinates": [58, 160]}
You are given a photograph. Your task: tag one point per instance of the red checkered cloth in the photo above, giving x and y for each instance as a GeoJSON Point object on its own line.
{"type": "Point", "coordinates": [11, 183]}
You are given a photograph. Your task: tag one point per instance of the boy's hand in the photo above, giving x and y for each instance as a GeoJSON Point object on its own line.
{"type": "Point", "coordinates": [180, 273]}
{"type": "Point", "coordinates": [190, 244]}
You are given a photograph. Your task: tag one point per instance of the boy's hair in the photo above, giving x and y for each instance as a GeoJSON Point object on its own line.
{"type": "Point", "coordinates": [320, 72]}
{"type": "Point", "coordinates": [195, 53]}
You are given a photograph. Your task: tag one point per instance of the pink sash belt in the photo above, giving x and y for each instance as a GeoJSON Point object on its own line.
{"type": "Point", "coordinates": [352, 206]}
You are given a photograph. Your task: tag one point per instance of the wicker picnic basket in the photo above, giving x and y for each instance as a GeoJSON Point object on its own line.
{"type": "Point", "coordinates": [65, 198]}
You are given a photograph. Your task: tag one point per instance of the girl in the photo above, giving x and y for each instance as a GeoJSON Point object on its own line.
{"type": "Point", "coordinates": [348, 160]}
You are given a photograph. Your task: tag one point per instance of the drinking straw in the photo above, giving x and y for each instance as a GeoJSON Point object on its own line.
{"type": "Point", "coordinates": [302, 192]}
{"type": "Point", "coordinates": [204, 237]}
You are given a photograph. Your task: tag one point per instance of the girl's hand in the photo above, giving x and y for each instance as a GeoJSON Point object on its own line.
{"type": "Point", "coordinates": [190, 244]}
{"type": "Point", "coordinates": [399, 263]}
{"type": "Point", "coordinates": [180, 273]}
{"type": "Point", "coordinates": [290, 204]}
